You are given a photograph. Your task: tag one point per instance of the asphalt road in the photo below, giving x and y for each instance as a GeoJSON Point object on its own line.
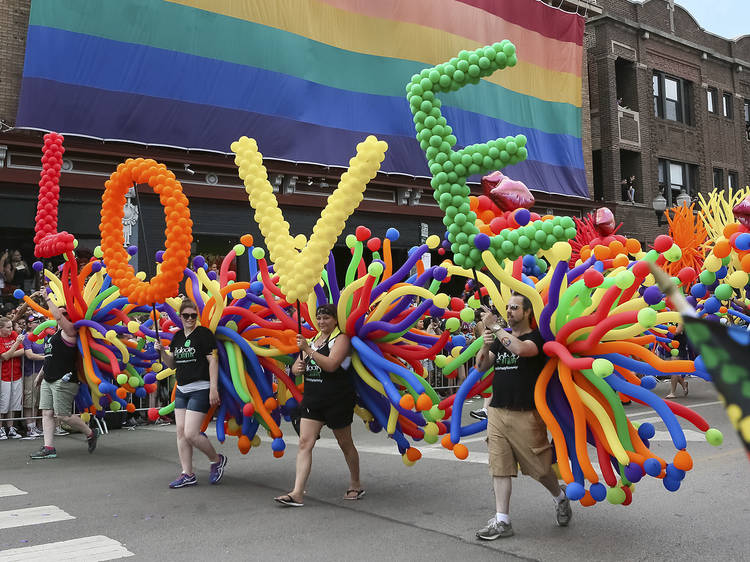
{"type": "Point", "coordinates": [426, 512]}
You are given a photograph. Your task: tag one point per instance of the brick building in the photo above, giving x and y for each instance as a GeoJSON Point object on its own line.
{"type": "Point", "coordinates": [218, 202]}
{"type": "Point", "coordinates": [669, 107]}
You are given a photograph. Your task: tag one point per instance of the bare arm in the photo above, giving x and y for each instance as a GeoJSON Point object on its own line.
{"type": "Point", "coordinates": [14, 350]}
{"type": "Point", "coordinates": [522, 348]}
{"type": "Point", "coordinates": [336, 354]}
{"type": "Point", "coordinates": [213, 376]}
{"type": "Point", "coordinates": [166, 357]}
{"type": "Point", "coordinates": [69, 332]}
{"type": "Point", "coordinates": [33, 356]}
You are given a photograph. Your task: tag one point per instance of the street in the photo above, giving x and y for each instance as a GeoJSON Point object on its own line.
{"type": "Point", "coordinates": [116, 503]}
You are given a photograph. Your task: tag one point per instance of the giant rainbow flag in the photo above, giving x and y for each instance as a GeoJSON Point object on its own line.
{"type": "Point", "coordinates": [307, 78]}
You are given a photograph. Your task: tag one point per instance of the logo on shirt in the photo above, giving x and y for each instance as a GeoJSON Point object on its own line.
{"type": "Point", "coordinates": [506, 360]}
{"type": "Point", "coordinates": [184, 353]}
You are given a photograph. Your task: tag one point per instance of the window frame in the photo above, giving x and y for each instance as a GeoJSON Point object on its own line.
{"type": "Point", "coordinates": [712, 99]}
{"type": "Point", "coordinates": [682, 109]}
{"type": "Point", "coordinates": [720, 173]}
{"type": "Point", "coordinates": [727, 109]}
{"type": "Point", "coordinates": [664, 180]}
{"type": "Point", "coordinates": [733, 179]}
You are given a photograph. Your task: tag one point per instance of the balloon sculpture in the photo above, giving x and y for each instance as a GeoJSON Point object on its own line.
{"type": "Point", "coordinates": [601, 316]}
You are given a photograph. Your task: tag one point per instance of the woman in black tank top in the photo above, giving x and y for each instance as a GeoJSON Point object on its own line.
{"type": "Point", "coordinates": [328, 400]}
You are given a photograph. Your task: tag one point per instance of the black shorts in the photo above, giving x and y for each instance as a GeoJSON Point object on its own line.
{"type": "Point", "coordinates": [336, 414]}
{"type": "Point", "coordinates": [197, 401]}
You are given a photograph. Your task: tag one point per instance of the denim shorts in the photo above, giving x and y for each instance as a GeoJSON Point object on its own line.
{"type": "Point", "coordinates": [196, 401]}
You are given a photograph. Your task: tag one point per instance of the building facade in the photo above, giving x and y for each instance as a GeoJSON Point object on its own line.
{"type": "Point", "coordinates": [219, 205]}
{"type": "Point", "coordinates": [670, 109]}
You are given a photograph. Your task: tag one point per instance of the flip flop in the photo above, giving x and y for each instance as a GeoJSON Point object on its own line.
{"type": "Point", "coordinates": [670, 395]}
{"type": "Point", "coordinates": [358, 496]}
{"type": "Point", "coordinates": [288, 500]}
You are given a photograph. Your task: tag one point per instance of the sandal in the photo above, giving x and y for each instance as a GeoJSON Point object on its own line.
{"type": "Point", "coordinates": [288, 500]}
{"type": "Point", "coordinates": [670, 395]}
{"type": "Point", "coordinates": [358, 494]}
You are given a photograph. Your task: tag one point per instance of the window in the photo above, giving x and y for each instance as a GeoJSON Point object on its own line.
{"type": "Point", "coordinates": [726, 105]}
{"type": "Point", "coordinates": [713, 96]}
{"type": "Point", "coordinates": [746, 107]}
{"type": "Point", "coordinates": [671, 98]}
{"type": "Point", "coordinates": [676, 178]}
{"type": "Point", "coordinates": [732, 182]}
{"type": "Point", "coordinates": [718, 178]}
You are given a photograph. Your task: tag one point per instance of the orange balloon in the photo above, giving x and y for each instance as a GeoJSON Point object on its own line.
{"type": "Point", "coordinates": [616, 247]}
{"type": "Point", "coordinates": [473, 203]}
{"type": "Point", "coordinates": [683, 460]}
{"type": "Point", "coordinates": [745, 264]}
{"type": "Point", "coordinates": [620, 261]}
{"type": "Point", "coordinates": [446, 442]}
{"type": "Point", "coordinates": [246, 240]}
{"type": "Point", "coordinates": [243, 444]}
{"type": "Point", "coordinates": [633, 246]}
{"type": "Point", "coordinates": [178, 230]}
{"type": "Point", "coordinates": [601, 252]}
{"type": "Point", "coordinates": [730, 229]}
{"type": "Point", "coordinates": [722, 249]}
{"type": "Point", "coordinates": [587, 500]}
{"type": "Point", "coordinates": [460, 451]}
{"type": "Point", "coordinates": [413, 454]}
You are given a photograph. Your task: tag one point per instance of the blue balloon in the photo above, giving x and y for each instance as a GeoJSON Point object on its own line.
{"type": "Point", "coordinates": [633, 472]}
{"type": "Point", "coordinates": [646, 430]}
{"type": "Point", "coordinates": [675, 473]}
{"type": "Point", "coordinates": [575, 491]}
{"type": "Point", "coordinates": [742, 242]}
{"type": "Point", "coordinates": [648, 382]}
{"type": "Point", "coordinates": [652, 467]}
{"type": "Point", "coordinates": [598, 491]}
{"type": "Point", "coordinates": [671, 484]}
{"type": "Point", "coordinates": [278, 444]}
{"type": "Point", "coordinates": [698, 290]}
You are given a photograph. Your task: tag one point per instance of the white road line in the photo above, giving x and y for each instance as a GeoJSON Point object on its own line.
{"type": "Point", "coordinates": [10, 490]}
{"type": "Point", "coordinates": [691, 406]}
{"type": "Point", "coordinates": [87, 548]}
{"type": "Point", "coordinates": [32, 516]}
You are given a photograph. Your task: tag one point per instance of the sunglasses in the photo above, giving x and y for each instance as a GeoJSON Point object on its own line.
{"type": "Point", "coordinates": [512, 307]}
{"type": "Point", "coordinates": [189, 315]}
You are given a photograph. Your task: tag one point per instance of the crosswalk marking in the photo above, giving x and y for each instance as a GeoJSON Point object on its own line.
{"type": "Point", "coordinates": [87, 548]}
{"type": "Point", "coordinates": [32, 516]}
{"type": "Point", "coordinates": [10, 490]}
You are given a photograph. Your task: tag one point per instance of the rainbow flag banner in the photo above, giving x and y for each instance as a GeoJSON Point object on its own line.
{"type": "Point", "coordinates": [307, 78]}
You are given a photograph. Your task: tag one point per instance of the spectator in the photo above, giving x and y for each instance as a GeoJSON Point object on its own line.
{"type": "Point", "coordinates": [32, 365]}
{"type": "Point", "coordinates": [16, 272]}
{"type": "Point", "coordinates": [11, 383]}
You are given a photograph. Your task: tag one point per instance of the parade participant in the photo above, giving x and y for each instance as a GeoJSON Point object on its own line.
{"type": "Point", "coordinates": [682, 353]}
{"type": "Point", "coordinates": [516, 434]}
{"type": "Point", "coordinates": [11, 383]}
{"type": "Point", "coordinates": [59, 382]}
{"type": "Point", "coordinates": [192, 353]}
{"type": "Point", "coordinates": [328, 400]}
{"type": "Point", "coordinates": [32, 366]}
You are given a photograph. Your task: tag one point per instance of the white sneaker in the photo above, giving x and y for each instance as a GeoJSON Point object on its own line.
{"type": "Point", "coordinates": [61, 431]}
{"type": "Point", "coordinates": [12, 433]}
{"type": "Point", "coordinates": [3, 436]}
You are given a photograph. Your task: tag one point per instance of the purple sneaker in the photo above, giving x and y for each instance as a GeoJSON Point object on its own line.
{"type": "Point", "coordinates": [217, 469]}
{"type": "Point", "coordinates": [184, 480]}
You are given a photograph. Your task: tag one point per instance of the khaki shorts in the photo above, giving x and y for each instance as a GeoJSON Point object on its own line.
{"type": "Point", "coordinates": [58, 396]}
{"type": "Point", "coordinates": [517, 438]}
{"type": "Point", "coordinates": [30, 392]}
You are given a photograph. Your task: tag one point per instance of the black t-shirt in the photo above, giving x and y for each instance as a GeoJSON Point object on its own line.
{"type": "Point", "coordinates": [323, 387]}
{"type": "Point", "coordinates": [515, 377]}
{"type": "Point", "coordinates": [59, 358]}
{"type": "Point", "coordinates": [683, 347]}
{"type": "Point", "coordinates": [190, 354]}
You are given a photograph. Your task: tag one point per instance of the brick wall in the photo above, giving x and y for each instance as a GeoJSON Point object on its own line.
{"type": "Point", "coordinates": [14, 20]}
{"type": "Point", "coordinates": [706, 142]}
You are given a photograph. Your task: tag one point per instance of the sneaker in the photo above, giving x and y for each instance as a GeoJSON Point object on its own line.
{"type": "Point", "coordinates": [563, 511]}
{"type": "Point", "coordinates": [480, 414]}
{"type": "Point", "coordinates": [60, 431]}
{"type": "Point", "coordinates": [91, 439]}
{"type": "Point", "coordinates": [495, 530]}
{"type": "Point", "coordinates": [217, 469]}
{"type": "Point", "coordinates": [3, 436]}
{"type": "Point", "coordinates": [45, 453]}
{"type": "Point", "coordinates": [13, 434]}
{"type": "Point", "coordinates": [184, 480]}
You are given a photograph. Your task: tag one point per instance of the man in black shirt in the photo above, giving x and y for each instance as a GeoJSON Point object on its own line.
{"type": "Point", "coordinates": [59, 381]}
{"type": "Point", "coordinates": [516, 434]}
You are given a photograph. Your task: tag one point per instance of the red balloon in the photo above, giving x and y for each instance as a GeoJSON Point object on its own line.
{"type": "Point", "coordinates": [663, 243]}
